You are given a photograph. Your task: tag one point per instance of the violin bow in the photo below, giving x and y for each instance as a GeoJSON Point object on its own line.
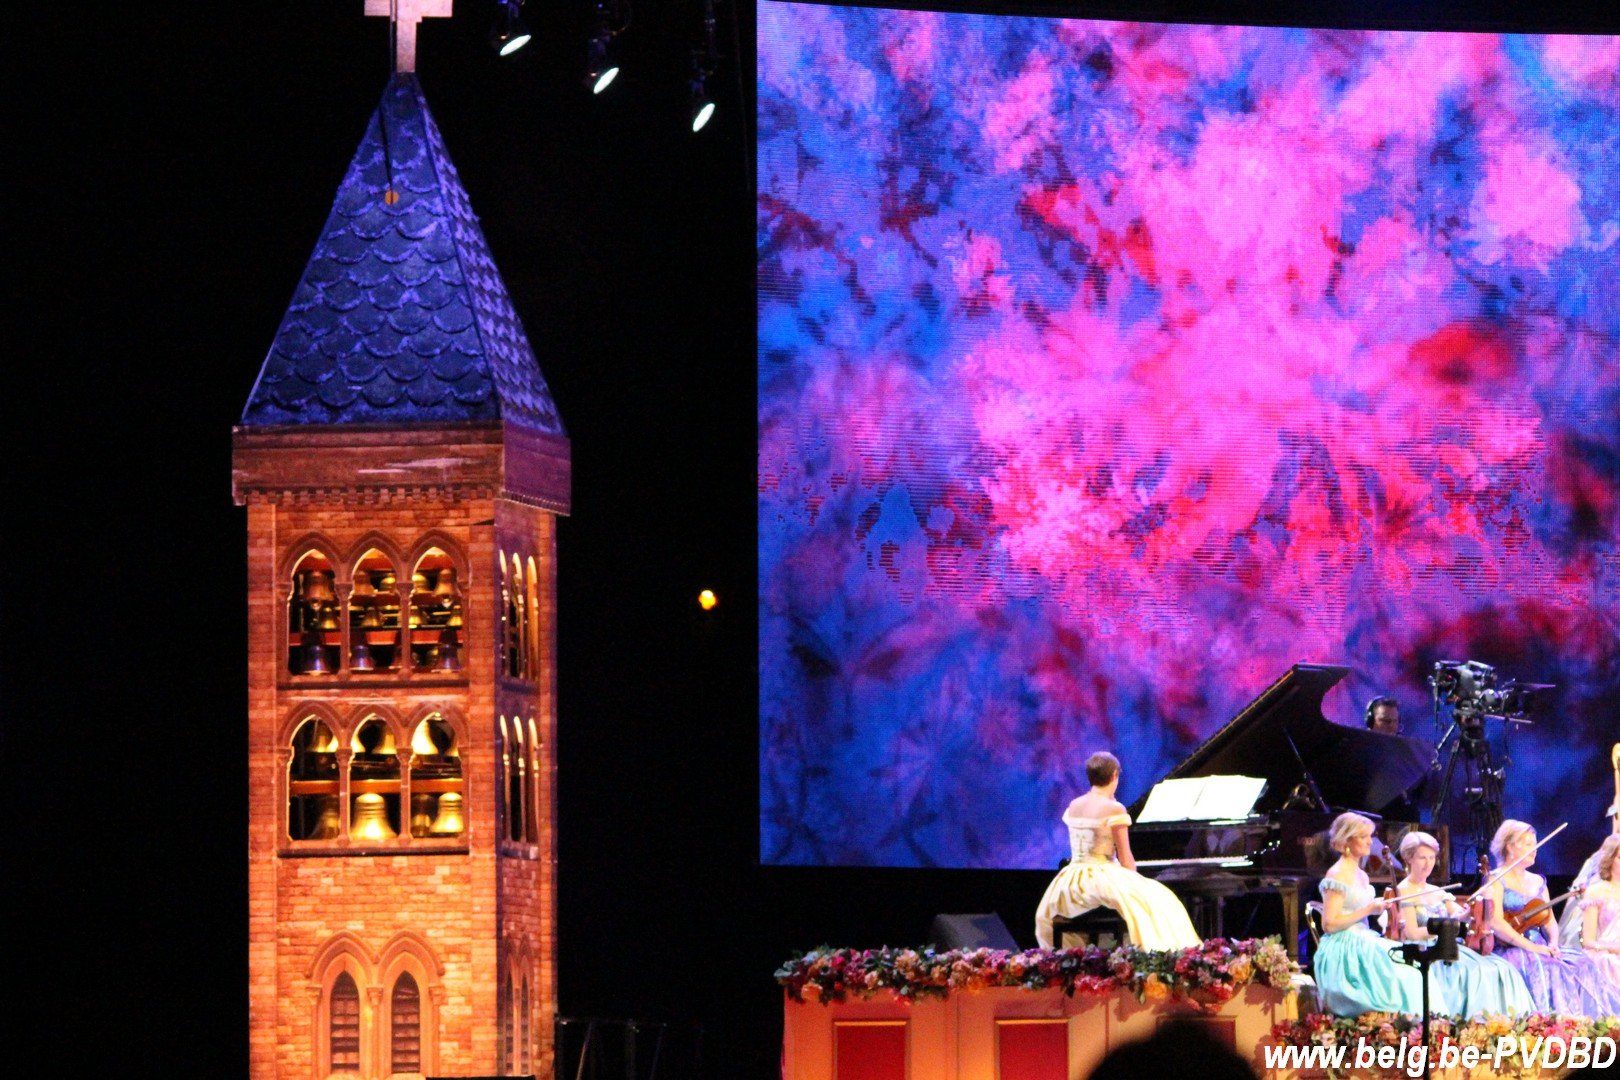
{"type": "Point", "coordinates": [1494, 878]}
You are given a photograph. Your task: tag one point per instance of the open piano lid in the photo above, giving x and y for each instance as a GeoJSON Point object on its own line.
{"type": "Point", "coordinates": [1354, 768]}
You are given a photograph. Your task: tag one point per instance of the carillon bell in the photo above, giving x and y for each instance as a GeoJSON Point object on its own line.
{"type": "Point", "coordinates": [449, 822]}
{"type": "Point", "coordinates": [449, 652]}
{"type": "Point", "coordinates": [421, 815]}
{"type": "Point", "coordinates": [370, 823]}
{"type": "Point", "coordinates": [329, 825]}
{"type": "Point", "coordinates": [314, 649]}
{"type": "Point", "coordinates": [360, 657]}
{"type": "Point", "coordinates": [328, 617]}
{"type": "Point", "coordinates": [363, 586]}
{"type": "Point", "coordinates": [445, 587]}
{"type": "Point", "coordinates": [318, 587]}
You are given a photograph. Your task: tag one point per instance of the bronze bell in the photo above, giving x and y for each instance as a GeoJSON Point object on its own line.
{"type": "Point", "coordinates": [328, 617]}
{"type": "Point", "coordinates": [318, 587]}
{"type": "Point", "coordinates": [370, 823]}
{"type": "Point", "coordinates": [314, 650]}
{"type": "Point", "coordinates": [390, 582]}
{"type": "Point", "coordinates": [363, 586]}
{"type": "Point", "coordinates": [421, 815]}
{"type": "Point", "coordinates": [445, 587]}
{"type": "Point", "coordinates": [329, 825]}
{"type": "Point", "coordinates": [370, 616]}
{"type": "Point", "coordinates": [360, 657]}
{"type": "Point", "coordinates": [449, 822]}
{"type": "Point", "coordinates": [449, 658]}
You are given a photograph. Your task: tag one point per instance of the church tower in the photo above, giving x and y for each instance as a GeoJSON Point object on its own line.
{"type": "Point", "coordinates": [403, 467]}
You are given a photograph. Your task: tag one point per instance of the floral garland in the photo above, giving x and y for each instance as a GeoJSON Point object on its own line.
{"type": "Point", "coordinates": [1205, 977]}
{"type": "Point", "coordinates": [1394, 1029]}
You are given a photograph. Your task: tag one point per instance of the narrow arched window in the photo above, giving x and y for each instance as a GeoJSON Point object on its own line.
{"type": "Point", "coordinates": [516, 805]}
{"type": "Point", "coordinates": [436, 785]}
{"type": "Point", "coordinates": [312, 784]}
{"type": "Point", "coordinates": [508, 1032]}
{"type": "Point", "coordinates": [435, 614]}
{"type": "Point", "coordinates": [523, 1026]}
{"type": "Point", "coordinates": [511, 619]}
{"type": "Point", "coordinates": [521, 596]}
{"type": "Point", "coordinates": [374, 615]}
{"type": "Point", "coordinates": [531, 786]}
{"type": "Point", "coordinates": [314, 634]}
{"type": "Point", "coordinates": [373, 783]}
{"type": "Point", "coordinates": [405, 1027]}
{"type": "Point", "coordinates": [343, 1030]}
{"type": "Point", "coordinates": [534, 645]}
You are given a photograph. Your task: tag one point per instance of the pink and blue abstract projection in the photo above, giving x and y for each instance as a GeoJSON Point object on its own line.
{"type": "Point", "coordinates": [1106, 370]}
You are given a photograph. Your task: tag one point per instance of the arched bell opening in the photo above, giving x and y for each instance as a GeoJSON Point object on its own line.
{"type": "Point", "coordinates": [435, 614]}
{"type": "Point", "coordinates": [436, 781]}
{"type": "Point", "coordinates": [312, 784]}
{"type": "Point", "coordinates": [373, 783]}
{"type": "Point", "coordinates": [314, 634]}
{"type": "Point", "coordinates": [374, 614]}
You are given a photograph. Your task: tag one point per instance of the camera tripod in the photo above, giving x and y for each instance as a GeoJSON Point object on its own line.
{"type": "Point", "coordinates": [1465, 750]}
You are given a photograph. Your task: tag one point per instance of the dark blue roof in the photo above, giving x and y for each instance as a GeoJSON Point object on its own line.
{"type": "Point", "coordinates": [401, 316]}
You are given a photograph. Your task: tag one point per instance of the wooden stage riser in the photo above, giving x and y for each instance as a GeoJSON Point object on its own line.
{"type": "Point", "coordinates": [1001, 1034]}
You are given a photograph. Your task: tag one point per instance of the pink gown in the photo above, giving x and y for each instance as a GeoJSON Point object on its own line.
{"type": "Point", "coordinates": [1607, 903]}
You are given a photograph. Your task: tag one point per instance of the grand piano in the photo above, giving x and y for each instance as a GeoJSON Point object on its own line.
{"type": "Point", "coordinates": [1313, 769]}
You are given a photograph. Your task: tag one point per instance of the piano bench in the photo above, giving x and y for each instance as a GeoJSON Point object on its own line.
{"type": "Point", "coordinates": [1103, 927]}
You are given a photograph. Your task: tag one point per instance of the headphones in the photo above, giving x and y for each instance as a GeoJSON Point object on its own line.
{"type": "Point", "coordinates": [1381, 699]}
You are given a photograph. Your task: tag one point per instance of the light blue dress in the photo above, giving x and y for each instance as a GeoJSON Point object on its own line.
{"type": "Point", "coordinates": [1355, 973]}
{"type": "Point", "coordinates": [1475, 985]}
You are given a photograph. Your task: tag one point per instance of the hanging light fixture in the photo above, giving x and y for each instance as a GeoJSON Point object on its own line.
{"type": "Point", "coordinates": [509, 33]}
{"type": "Point", "coordinates": [704, 59]}
{"type": "Point", "coordinates": [601, 66]}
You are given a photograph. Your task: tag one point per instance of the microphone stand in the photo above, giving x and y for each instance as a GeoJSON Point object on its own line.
{"type": "Point", "coordinates": [1421, 956]}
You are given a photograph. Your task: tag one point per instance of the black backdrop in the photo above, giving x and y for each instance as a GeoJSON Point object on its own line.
{"type": "Point", "coordinates": [170, 167]}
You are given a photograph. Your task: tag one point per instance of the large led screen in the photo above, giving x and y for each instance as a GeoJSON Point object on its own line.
{"type": "Point", "coordinates": [1106, 370]}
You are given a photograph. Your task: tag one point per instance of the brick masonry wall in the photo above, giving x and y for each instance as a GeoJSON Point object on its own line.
{"type": "Point", "coordinates": [470, 909]}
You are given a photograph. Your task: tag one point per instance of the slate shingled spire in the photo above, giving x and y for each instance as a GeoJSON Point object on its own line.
{"type": "Point", "coordinates": [401, 317]}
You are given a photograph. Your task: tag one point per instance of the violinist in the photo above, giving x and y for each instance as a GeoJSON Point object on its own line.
{"type": "Point", "coordinates": [1475, 984]}
{"type": "Point", "coordinates": [1600, 913]}
{"type": "Point", "coordinates": [1354, 971]}
{"type": "Point", "coordinates": [1563, 982]}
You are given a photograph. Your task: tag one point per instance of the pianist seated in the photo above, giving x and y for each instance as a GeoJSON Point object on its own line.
{"type": "Point", "coordinates": [1102, 873]}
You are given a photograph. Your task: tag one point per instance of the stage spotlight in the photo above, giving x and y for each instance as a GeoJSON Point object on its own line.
{"type": "Point", "coordinates": [707, 600]}
{"type": "Point", "coordinates": [702, 106]}
{"type": "Point", "coordinates": [601, 71]}
{"type": "Point", "coordinates": [510, 33]}
{"type": "Point", "coordinates": [612, 18]}
{"type": "Point", "coordinates": [704, 60]}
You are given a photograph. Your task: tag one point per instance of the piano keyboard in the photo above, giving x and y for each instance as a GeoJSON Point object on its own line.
{"type": "Point", "coordinates": [1201, 860]}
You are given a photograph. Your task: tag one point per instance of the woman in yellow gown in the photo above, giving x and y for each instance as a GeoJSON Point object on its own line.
{"type": "Point", "coordinates": [1102, 872]}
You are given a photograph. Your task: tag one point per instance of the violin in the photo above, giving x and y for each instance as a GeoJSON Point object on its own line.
{"type": "Point", "coordinates": [1394, 928]}
{"type": "Point", "coordinates": [1539, 916]}
{"type": "Point", "coordinates": [1481, 909]}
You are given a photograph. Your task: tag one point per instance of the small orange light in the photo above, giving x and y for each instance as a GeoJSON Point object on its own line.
{"type": "Point", "coordinates": [707, 599]}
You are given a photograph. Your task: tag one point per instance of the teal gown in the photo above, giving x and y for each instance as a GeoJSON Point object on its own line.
{"type": "Point", "coordinates": [1475, 985]}
{"type": "Point", "coordinates": [1355, 973]}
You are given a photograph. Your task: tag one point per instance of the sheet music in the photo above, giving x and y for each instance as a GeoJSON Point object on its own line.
{"type": "Point", "coordinates": [1203, 798]}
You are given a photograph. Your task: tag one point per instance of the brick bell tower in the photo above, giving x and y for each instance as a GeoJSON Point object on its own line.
{"type": "Point", "coordinates": [403, 467]}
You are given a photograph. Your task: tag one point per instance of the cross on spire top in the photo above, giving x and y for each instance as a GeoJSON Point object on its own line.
{"type": "Point", "coordinates": [405, 15]}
